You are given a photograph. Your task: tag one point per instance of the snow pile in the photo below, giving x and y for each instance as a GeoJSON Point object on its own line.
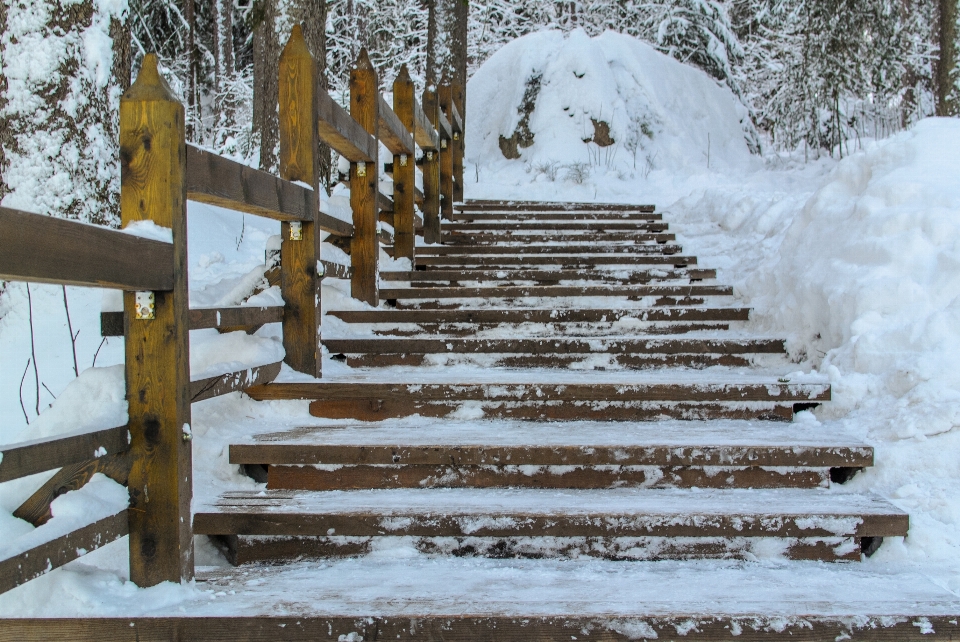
{"type": "Point", "coordinates": [542, 95]}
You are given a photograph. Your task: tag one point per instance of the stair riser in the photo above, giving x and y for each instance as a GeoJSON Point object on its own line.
{"type": "Point", "coordinates": [542, 316]}
{"type": "Point", "coordinates": [551, 346]}
{"type": "Point", "coordinates": [246, 549]}
{"type": "Point", "coordinates": [561, 303]}
{"type": "Point", "coordinates": [378, 410]}
{"type": "Point", "coordinates": [571, 477]}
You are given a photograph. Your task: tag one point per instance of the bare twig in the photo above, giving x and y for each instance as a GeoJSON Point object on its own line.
{"type": "Point", "coordinates": [48, 390]}
{"type": "Point", "coordinates": [22, 379]}
{"type": "Point", "coordinates": [33, 348]}
{"type": "Point", "coordinates": [73, 337]}
{"type": "Point", "coordinates": [93, 365]}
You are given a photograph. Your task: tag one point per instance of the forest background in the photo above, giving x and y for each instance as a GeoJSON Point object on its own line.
{"type": "Point", "coordinates": [816, 76]}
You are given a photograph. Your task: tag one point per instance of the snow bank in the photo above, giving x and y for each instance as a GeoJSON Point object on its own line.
{"type": "Point", "coordinates": [661, 113]}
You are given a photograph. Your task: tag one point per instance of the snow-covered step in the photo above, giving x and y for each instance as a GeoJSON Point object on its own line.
{"type": "Point", "coordinates": [556, 455]}
{"type": "Point", "coordinates": [501, 214]}
{"type": "Point", "coordinates": [556, 225]}
{"type": "Point", "coordinates": [560, 261]}
{"type": "Point", "coordinates": [619, 276]}
{"type": "Point", "coordinates": [549, 236]}
{"type": "Point", "coordinates": [821, 524]}
{"type": "Point", "coordinates": [556, 352]}
{"type": "Point", "coordinates": [549, 206]}
{"type": "Point", "coordinates": [596, 329]}
{"type": "Point", "coordinates": [573, 247]}
{"type": "Point", "coordinates": [506, 291]}
{"type": "Point", "coordinates": [571, 400]}
{"type": "Point", "coordinates": [543, 315]}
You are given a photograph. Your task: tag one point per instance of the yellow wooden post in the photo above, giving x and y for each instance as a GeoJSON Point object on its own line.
{"type": "Point", "coordinates": [152, 165]}
{"type": "Point", "coordinates": [364, 179]}
{"type": "Point", "coordinates": [404, 171]}
{"type": "Point", "coordinates": [300, 244]}
{"type": "Point", "coordinates": [431, 176]}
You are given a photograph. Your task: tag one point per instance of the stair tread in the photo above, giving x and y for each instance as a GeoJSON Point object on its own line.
{"type": "Point", "coordinates": [619, 511]}
{"type": "Point", "coordinates": [605, 345]}
{"type": "Point", "coordinates": [541, 315]}
{"type": "Point", "coordinates": [730, 443]}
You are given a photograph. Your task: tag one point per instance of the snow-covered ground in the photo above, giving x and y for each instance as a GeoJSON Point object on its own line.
{"type": "Point", "coordinates": [856, 262]}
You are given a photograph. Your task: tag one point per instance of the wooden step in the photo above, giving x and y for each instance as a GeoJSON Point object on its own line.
{"type": "Point", "coordinates": [470, 330]}
{"type": "Point", "coordinates": [547, 275]}
{"type": "Point", "coordinates": [447, 250]}
{"type": "Point", "coordinates": [558, 345]}
{"type": "Point", "coordinates": [510, 514]}
{"type": "Point", "coordinates": [559, 206]}
{"type": "Point", "coordinates": [571, 261]}
{"type": "Point", "coordinates": [506, 291]}
{"type": "Point", "coordinates": [374, 401]}
{"type": "Point", "coordinates": [554, 226]}
{"type": "Point", "coordinates": [502, 454]}
{"type": "Point", "coordinates": [517, 315]}
{"type": "Point", "coordinates": [490, 238]}
{"type": "Point", "coordinates": [495, 214]}
{"type": "Point", "coordinates": [579, 362]}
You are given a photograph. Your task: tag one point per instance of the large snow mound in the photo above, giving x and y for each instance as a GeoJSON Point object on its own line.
{"type": "Point", "coordinates": [661, 113]}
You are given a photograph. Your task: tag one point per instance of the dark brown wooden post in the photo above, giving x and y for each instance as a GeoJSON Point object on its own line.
{"type": "Point", "coordinates": [152, 188]}
{"type": "Point", "coordinates": [300, 245]}
{"type": "Point", "coordinates": [458, 149]}
{"type": "Point", "coordinates": [445, 96]}
{"type": "Point", "coordinates": [404, 171]}
{"type": "Point", "coordinates": [365, 247]}
{"type": "Point", "coordinates": [431, 176]}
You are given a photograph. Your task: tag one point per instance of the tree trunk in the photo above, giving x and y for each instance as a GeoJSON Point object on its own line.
{"type": "Point", "coordinates": [224, 106]}
{"type": "Point", "coordinates": [193, 104]}
{"type": "Point", "coordinates": [947, 34]}
{"type": "Point", "coordinates": [447, 42]}
{"type": "Point", "coordinates": [266, 57]}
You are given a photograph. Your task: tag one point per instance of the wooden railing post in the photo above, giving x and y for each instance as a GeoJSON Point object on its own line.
{"type": "Point", "coordinates": [445, 97]}
{"type": "Point", "coordinates": [458, 149]}
{"type": "Point", "coordinates": [364, 179]}
{"type": "Point", "coordinates": [431, 175]}
{"type": "Point", "coordinates": [153, 162]}
{"type": "Point", "coordinates": [404, 171]}
{"type": "Point", "coordinates": [300, 244]}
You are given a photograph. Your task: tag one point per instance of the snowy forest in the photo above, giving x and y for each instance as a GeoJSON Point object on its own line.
{"type": "Point", "coordinates": [814, 76]}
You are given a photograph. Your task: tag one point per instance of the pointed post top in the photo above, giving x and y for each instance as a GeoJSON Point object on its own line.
{"type": "Point", "coordinates": [363, 60]}
{"type": "Point", "coordinates": [296, 45]}
{"type": "Point", "coordinates": [150, 85]}
{"type": "Point", "coordinates": [404, 76]}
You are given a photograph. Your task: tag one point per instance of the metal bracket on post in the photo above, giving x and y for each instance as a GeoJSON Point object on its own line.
{"type": "Point", "coordinates": [146, 303]}
{"type": "Point", "coordinates": [296, 231]}
{"type": "Point", "coordinates": [403, 160]}
{"type": "Point", "coordinates": [361, 168]}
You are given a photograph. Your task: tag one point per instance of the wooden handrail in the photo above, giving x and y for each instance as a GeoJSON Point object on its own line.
{"type": "Point", "coordinates": [393, 134]}
{"type": "Point", "coordinates": [45, 249]}
{"type": "Point", "coordinates": [31, 457]}
{"type": "Point", "coordinates": [341, 132]}
{"type": "Point", "coordinates": [426, 136]}
{"type": "Point", "coordinates": [444, 129]}
{"type": "Point", "coordinates": [455, 120]}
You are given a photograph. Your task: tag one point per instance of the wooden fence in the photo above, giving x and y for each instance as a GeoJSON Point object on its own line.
{"type": "Point", "coordinates": [151, 455]}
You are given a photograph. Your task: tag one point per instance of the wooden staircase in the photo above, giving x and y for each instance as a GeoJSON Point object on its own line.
{"type": "Point", "coordinates": [520, 395]}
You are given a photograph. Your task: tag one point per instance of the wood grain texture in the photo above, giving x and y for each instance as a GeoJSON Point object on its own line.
{"type": "Point", "coordinates": [364, 190]}
{"type": "Point", "coordinates": [42, 559]}
{"type": "Point", "coordinates": [299, 281]}
{"type": "Point", "coordinates": [447, 345]}
{"type": "Point", "coordinates": [44, 249]}
{"type": "Point", "coordinates": [459, 104]}
{"type": "Point", "coordinates": [393, 133]}
{"type": "Point", "coordinates": [341, 132]}
{"type": "Point", "coordinates": [404, 173]}
{"type": "Point", "coordinates": [153, 187]}
{"type": "Point", "coordinates": [234, 317]}
{"type": "Point", "coordinates": [414, 626]}
{"type": "Point", "coordinates": [219, 181]}
{"type": "Point", "coordinates": [210, 387]}
{"type": "Point", "coordinates": [445, 101]}
{"type": "Point", "coordinates": [30, 457]}
{"type": "Point", "coordinates": [431, 175]}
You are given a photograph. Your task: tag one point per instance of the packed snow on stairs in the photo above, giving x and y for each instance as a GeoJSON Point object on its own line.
{"type": "Point", "coordinates": [476, 444]}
